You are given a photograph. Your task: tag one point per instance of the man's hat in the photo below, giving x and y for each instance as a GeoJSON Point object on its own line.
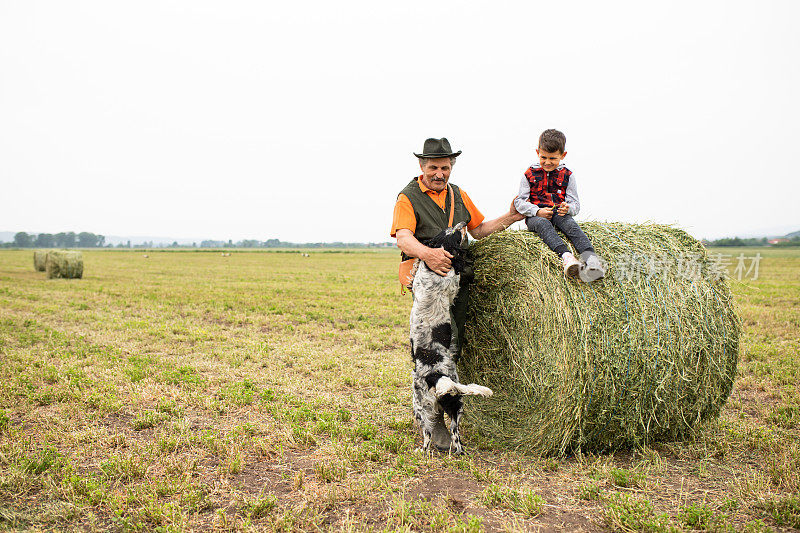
{"type": "Point", "coordinates": [434, 148]}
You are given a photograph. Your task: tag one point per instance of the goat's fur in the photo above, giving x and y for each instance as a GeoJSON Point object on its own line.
{"type": "Point", "coordinates": [435, 385]}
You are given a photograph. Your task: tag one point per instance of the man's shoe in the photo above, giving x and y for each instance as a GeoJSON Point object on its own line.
{"type": "Point", "coordinates": [440, 437]}
{"type": "Point", "coordinates": [571, 265]}
{"type": "Point", "coordinates": [592, 268]}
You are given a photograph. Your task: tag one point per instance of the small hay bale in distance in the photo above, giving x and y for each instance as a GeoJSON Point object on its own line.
{"type": "Point", "coordinates": [40, 260]}
{"type": "Point", "coordinates": [64, 264]}
{"type": "Point", "coordinates": [643, 355]}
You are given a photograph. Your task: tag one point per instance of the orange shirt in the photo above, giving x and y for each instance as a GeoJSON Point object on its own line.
{"type": "Point", "coordinates": [404, 218]}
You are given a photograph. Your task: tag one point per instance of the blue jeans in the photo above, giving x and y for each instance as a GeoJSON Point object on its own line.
{"type": "Point", "coordinates": [546, 229]}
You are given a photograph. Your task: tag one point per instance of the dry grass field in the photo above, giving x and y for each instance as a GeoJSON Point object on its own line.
{"type": "Point", "coordinates": [188, 391]}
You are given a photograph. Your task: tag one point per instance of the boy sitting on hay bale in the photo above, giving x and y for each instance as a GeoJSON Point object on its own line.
{"type": "Point", "coordinates": [548, 197]}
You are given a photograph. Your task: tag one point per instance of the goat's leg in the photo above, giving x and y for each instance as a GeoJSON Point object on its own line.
{"type": "Point", "coordinates": [440, 435]}
{"type": "Point", "coordinates": [418, 391]}
{"type": "Point", "coordinates": [416, 398]}
{"type": "Point", "coordinates": [453, 405]}
{"type": "Point", "coordinates": [424, 409]}
{"type": "Point", "coordinates": [427, 432]}
{"type": "Point", "coordinates": [458, 448]}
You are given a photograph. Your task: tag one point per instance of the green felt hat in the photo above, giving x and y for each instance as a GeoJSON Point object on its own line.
{"type": "Point", "coordinates": [434, 148]}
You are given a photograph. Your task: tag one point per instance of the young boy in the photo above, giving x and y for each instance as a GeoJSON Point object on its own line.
{"type": "Point", "coordinates": [548, 198]}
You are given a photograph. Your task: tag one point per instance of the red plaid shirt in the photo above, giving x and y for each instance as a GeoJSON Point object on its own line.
{"type": "Point", "coordinates": [547, 188]}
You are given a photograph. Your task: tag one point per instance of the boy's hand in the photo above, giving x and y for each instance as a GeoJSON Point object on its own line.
{"type": "Point", "coordinates": [563, 209]}
{"type": "Point", "coordinates": [545, 212]}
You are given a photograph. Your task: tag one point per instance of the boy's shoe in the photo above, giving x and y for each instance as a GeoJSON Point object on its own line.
{"type": "Point", "coordinates": [571, 265]}
{"type": "Point", "coordinates": [592, 268]}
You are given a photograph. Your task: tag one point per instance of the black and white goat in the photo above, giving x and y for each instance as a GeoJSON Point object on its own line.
{"type": "Point", "coordinates": [435, 385]}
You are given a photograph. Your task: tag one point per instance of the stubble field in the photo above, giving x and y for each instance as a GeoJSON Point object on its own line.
{"type": "Point", "coordinates": [270, 391]}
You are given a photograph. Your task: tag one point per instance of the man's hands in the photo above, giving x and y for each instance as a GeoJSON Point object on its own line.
{"type": "Point", "coordinates": [548, 212]}
{"type": "Point", "coordinates": [438, 260]}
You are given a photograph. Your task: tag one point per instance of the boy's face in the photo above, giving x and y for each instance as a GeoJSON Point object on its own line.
{"type": "Point", "coordinates": [550, 160]}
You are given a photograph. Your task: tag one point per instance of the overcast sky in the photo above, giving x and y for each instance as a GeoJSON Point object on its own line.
{"type": "Point", "coordinates": [297, 120]}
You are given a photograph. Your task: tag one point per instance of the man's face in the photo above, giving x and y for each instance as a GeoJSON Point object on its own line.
{"type": "Point", "coordinates": [435, 173]}
{"type": "Point", "coordinates": [550, 160]}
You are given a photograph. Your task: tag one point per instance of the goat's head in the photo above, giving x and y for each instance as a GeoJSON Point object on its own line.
{"type": "Point", "coordinates": [452, 239]}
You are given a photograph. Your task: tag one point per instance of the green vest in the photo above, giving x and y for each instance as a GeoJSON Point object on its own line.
{"type": "Point", "coordinates": [431, 219]}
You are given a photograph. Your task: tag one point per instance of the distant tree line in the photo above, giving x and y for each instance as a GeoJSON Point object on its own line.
{"type": "Point", "coordinates": [763, 241]}
{"type": "Point", "coordinates": [277, 243]}
{"type": "Point", "coordinates": [69, 239]}
{"type": "Point", "coordinates": [91, 240]}
{"type": "Point", "coordinates": [794, 241]}
{"type": "Point", "coordinates": [86, 239]}
{"type": "Point", "coordinates": [736, 241]}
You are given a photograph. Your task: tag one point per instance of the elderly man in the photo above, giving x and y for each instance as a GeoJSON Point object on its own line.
{"type": "Point", "coordinates": [423, 205]}
{"type": "Point", "coordinates": [422, 211]}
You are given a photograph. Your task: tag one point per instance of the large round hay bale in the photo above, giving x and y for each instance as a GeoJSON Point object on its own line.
{"type": "Point", "coordinates": [64, 264]}
{"type": "Point", "coordinates": [642, 355]}
{"type": "Point", "coordinates": [40, 260]}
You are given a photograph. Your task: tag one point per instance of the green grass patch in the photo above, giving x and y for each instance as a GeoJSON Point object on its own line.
{"type": "Point", "coordinates": [524, 501]}
{"type": "Point", "coordinates": [624, 512]}
{"type": "Point", "coordinates": [784, 511]}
